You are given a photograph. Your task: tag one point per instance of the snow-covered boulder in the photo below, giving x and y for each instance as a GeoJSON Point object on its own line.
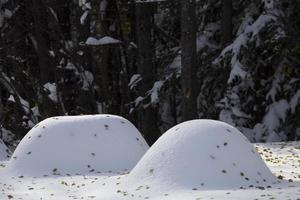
{"type": "Point", "coordinates": [201, 155]}
{"type": "Point", "coordinates": [4, 151]}
{"type": "Point", "coordinates": [78, 144]}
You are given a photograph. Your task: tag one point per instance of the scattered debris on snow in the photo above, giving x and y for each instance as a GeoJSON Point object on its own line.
{"type": "Point", "coordinates": [199, 159]}
{"type": "Point", "coordinates": [78, 144]}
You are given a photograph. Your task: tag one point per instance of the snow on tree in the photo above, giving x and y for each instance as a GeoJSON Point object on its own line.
{"type": "Point", "coordinates": [4, 151]}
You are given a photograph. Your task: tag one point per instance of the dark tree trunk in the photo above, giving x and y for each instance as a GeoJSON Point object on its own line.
{"type": "Point", "coordinates": [106, 69]}
{"type": "Point", "coordinates": [147, 119]}
{"type": "Point", "coordinates": [188, 59]}
{"type": "Point", "coordinates": [40, 32]}
{"type": "Point", "coordinates": [226, 21]}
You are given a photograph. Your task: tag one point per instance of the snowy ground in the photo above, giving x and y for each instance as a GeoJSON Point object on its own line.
{"type": "Point", "coordinates": [212, 161]}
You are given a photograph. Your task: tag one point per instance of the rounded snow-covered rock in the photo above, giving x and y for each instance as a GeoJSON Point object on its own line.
{"type": "Point", "coordinates": [78, 144]}
{"type": "Point", "coordinates": [4, 151]}
{"type": "Point", "coordinates": [202, 154]}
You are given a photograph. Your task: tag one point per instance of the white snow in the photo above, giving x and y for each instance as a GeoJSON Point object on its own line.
{"type": "Point", "coordinates": [88, 5]}
{"type": "Point", "coordinates": [51, 88]}
{"type": "Point", "coordinates": [176, 64]}
{"type": "Point", "coordinates": [277, 81]}
{"type": "Point", "coordinates": [69, 65]}
{"type": "Point", "coordinates": [202, 154]}
{"type": "Point", "coordinates": [236, 71]}
{"type": "Point", "coordinates": [155, 92]}
{"type": "Point", "coordinates": [11, 98]}
{"type": "Point", "coordinates": [269, 4]}
{"type": "Point", "coordinates": [282, 158]}
{"type": "Point", "coordinates": [6, 135]}
{"type": "Point", "coordinates": [78, 144]}
{"type": "Point", "coordinates": [4, 151]}
{"type": "Point", "coordinates": [277, 113]}
{"type": "Point", "coordinates": [226, 116]}
{"type": "Point", "coordinates": [7, 13]}
{"type": "Point", "coordinates": [106, 40]}
{"type": "Point", "coordinates": [203, 41]}
{"type": "Point", "coordinates": [23, 102]}
{"type": "Point", "coordinates": [294, 102]}
{"type": "Point", "coordinates": [53, 13]}
{"type": "Point", "coordinates": [138, 100]}
{"type": "Point", "coordinates": [87, 78]}
{"type": "Point", "coordinates": [25, 105]}
{"type": "Point", "coordinates": [35, 111]}
{"type": "Point", "coordinates": [51, 53]}
{"type": "Point", "coordinates": [246, 33]}
{"type": "Point", "coordinates": [83, 17]}
{"type": "Point", "coordinates": [199, 159]}
{"type": "Point", "coordinates": [134, 80]}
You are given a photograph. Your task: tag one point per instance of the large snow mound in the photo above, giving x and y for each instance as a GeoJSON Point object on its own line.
{"type": "Point", "coordinates": [4, 151]}
{"type": "Point", "coordinates": [78, 144]}
{"type": "Point", "coordinates": [202, 154]}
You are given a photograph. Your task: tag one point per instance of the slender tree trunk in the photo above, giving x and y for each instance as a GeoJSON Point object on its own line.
{"type": "Point", "coordinates": [147, 119]}
{"type": "Point", "coordinates": [101, 54]}
{"type": "Point", "coordinates": [188, 59]}
{"type": "Point", "coordinates": [40, 33]}
{"type": "Point", "coordinates": [17, 112]}
{"type": "Point", "coordinates": [226, 21]}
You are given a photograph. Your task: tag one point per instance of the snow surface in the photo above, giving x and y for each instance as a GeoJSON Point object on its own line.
{"type": "Point", "coordinates": [295, 101]}
{"type": "Point", "coordinates": [103, 41]}
{"type": "Point", "coordinates": [51, 88]}
{"type": "Point", "coordinates": [134, 80]}
{"type": "Point", "coordinates": [200, 159]}
{"type": "Point", "coordinates": [87, 78]}
{"type": "Point", "coordinates": [84, 16]}
{"type": "Point", "coordinates": [4, 151]}
{"type": "Point", "coordinates": [78, 144]}
{"type": "Point", "coordinates": [154, 92]}
{"type": "Point", "coordinates": [283, 158]}
{"type": "Point", "coordinates": [203, 154]}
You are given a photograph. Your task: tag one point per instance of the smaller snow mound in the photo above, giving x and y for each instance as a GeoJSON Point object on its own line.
{"type": "Point", "coordinates": [78, 144]}
{"type": "Point", "coordinates": [4, 151]}
{"type": "Point", "coordinates": [201, 155]}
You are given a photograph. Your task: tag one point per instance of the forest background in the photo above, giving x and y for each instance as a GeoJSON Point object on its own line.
{"type": "Point", "coordinates": [157, 63]}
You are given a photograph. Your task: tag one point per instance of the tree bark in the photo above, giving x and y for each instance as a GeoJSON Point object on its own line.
{"type": "Point", "coordinates": [40, 32]}
{"type": "Point", "coordinates": [188, 59]}
{"type": "Point", "coordinates": [226, 21]}
{"type": "Point", "coordinates": [147, 119]}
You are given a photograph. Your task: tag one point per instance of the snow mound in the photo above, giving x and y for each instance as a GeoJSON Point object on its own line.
{"type": "Point", "coordinates": [4, 151]}
{"type": "Point", "coordinates": [78, 144]}
{"type": "Point", "coordinates": [201, 155]}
